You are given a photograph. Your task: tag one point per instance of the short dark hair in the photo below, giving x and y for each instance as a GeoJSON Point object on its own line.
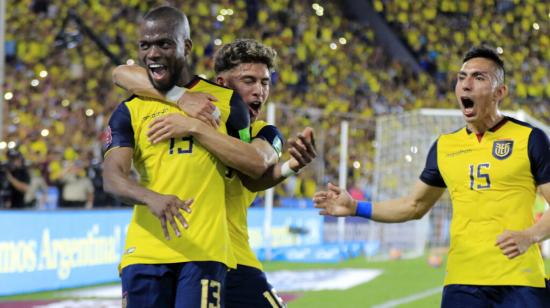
{"type": "Point", "coordinates": [244, 51]}
{"type": "Point", "coordinates": [171, 15]}
{"type": "Point", "coordinates": [487, 53]}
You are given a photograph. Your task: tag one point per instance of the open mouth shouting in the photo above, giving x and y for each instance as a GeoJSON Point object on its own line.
{"type": "Point", "coordinates": [467, 106]}
{"type": "Point", "coordinates": [158, 71]}
{"type": "Point", "coordinates": [254, 109]}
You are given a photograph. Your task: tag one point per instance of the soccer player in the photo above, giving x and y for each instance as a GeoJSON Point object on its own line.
{"type": "Point", "coordinates": [244, 66]}
{"type": "Point", "coordinates": [492, 168]}
{"type": "Point", "coordinates": [159, 269]}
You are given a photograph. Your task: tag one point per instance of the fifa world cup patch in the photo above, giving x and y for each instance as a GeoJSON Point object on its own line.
{"type": "Point", "coordinates": [502, 149]}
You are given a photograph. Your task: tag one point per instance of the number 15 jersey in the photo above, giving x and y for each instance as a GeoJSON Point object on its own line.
{"type": "Point", "coordinates": [492, 181]}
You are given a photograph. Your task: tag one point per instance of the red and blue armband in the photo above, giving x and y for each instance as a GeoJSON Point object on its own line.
{"type": "Point", "coordinates": [364, 209]}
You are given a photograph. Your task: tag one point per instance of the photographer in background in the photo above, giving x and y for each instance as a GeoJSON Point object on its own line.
{"type": "Point", "coordinates": [18, 179]}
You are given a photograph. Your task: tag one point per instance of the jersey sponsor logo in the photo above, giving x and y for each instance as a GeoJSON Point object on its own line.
{"type": "Point", "coordinates": [502, 149]}
{"type": "Point", "coordinates": [107, 137]}
{"type": "Point", "coordinates": [453, 154]}
{"type": "Point", "coordinates": [155, 114]}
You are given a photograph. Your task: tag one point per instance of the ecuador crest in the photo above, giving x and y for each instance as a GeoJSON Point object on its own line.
{"type": "Point", "coordinates": [502, 149]}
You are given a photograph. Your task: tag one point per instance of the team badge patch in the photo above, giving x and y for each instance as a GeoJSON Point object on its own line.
{"type": "Point", "coordinates": [502, 149]}
{"type": "Point", "coordinates": [107, 137]}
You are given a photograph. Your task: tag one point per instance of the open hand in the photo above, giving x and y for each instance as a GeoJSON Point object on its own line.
{"type": "Point", "coordinates": [200, 106]}
{"type": "Point", "coordinates": [302, 149]}
{"type": "Point", "coordinates": [514, 243]}
{"type": "Point", "coordinates": [171, 126]}
{"type": "Point", "coordinates": [335, 202]}
{"type": "Point", "coordinates": [167, 209]}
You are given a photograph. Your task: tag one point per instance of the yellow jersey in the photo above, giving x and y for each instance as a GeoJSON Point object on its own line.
{"type": "Point", "coordinates": [179, 167]}
{"type": "Point", "coordinates": [492, 180]}
{"type": "Point", "coordinates": [238, 198]}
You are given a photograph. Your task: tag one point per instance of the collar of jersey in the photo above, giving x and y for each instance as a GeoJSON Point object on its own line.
{"type": "Point", "coordinates": [495, 127]}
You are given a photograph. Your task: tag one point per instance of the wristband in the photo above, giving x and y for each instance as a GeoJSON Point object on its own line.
{"type": "Point", "coordinates": [364, 209]}
{"type": "Point", "coordinates": [286, 171]}
{"type": "Point", "coordinates": [174, 94]}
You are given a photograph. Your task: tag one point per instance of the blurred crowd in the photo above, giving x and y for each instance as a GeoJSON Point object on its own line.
{"type": "Point", "coordinates": [59, 56]}
{"type": "Point", "coordinates": [439, 32]}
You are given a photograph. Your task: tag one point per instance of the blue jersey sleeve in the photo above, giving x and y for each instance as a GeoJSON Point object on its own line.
{"type": "Point", "coordinates": [238, 123]}
{"type": "Point", "coordinates": [431, 175]}
{"type": "Point", "coordinates": [273, 136]}
{"type": "Point", "coordinates": [119, 133]}
{"type": "Point", "coordinates": [539, 156]}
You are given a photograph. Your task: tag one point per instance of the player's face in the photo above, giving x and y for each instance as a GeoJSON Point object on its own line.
{"type": "Point", "coordinates": [252, 81]}
{"type": "Point", "coordinates": [477, 90]}
{"type": "Point", "coordinates": [163, 50]}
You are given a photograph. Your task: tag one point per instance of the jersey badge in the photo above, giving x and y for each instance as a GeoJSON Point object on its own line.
{"type": "Point", "coordinates": [502, 149]}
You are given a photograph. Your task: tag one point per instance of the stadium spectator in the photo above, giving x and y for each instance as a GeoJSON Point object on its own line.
{"type": "Point", "coordinates": [59, 95]}
{"type": "Point", "coordinates": [37, 193]}
{"type": "Point", "coordinates": [77, 188]}
{"type": "Point", "coordinates": [18, 179]}
{"type": "Point", "coordinates": [492, 168]}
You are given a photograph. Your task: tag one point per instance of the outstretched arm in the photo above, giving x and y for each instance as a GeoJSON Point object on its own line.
{"type": "Point", "coordinates": [338, 202]}
{"type": "Point", "coordinates": [515, 243]}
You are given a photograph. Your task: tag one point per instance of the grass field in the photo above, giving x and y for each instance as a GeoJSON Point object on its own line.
{"type": "Point", "coordinates": [400, 279]}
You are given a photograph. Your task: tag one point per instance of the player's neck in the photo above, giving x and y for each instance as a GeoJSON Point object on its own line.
{"type": "Point", "coordinates": [185, 77]}
{"type": "Point", "coordinates": [483, 125]}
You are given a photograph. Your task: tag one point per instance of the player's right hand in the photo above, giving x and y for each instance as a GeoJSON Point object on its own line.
{"type": "Point", "coordinates": [167, 209]}
{"type": "Point", "coordinates": [302, 149]}
{"type": "Point", "coordinates": [200, 106]}
{"type": "Point", "coordinates": [171, 126]}
{"type": "Point", "coordinates": [334, 202]}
